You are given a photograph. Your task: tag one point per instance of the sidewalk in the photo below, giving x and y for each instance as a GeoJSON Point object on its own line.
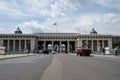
{"type": "Point", "coordinates": [101, 55]}
{"type": "Point", "coordinates": [109, 56]}
{"type": "Point", "coordinates": [2, 57]}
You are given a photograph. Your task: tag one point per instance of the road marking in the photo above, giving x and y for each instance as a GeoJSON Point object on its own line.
{"type": "Point", "coordinates": [54, 71]}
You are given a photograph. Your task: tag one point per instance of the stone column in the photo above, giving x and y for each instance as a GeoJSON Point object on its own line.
{"type": "Point", "coordinates": [103, 44]}
{"type": "Point", "coordinates": [60, 46]}
{"type": "Point", "coordinates": [68, 47]}
{"type": "Point", "coordinates": [79, 43]}
{"type": "Point", "coordinates": [14, 45]}
{"type": "Point", "coordinates": [110, 44]}
{"type": "Point", "coordinates": [76, 45]}
{"type": "Point", "coordinates": [97, 44]}
{"type": "Point", "coordinates": [8, 45]}
{"type": "Point", "coordinates": [19, 45]}
{"type": "Point", "coordinates": [32, 45]}
{"type": "Point", "coordinates": [1, 42]}
{"type": "Point", "coordinates": [44, 45]}
{"type": "Point", "coordinates": [92, 44]}
{"type": "Point", "coordinates": [25, 44]}
{"type": "Point", "coordinates": [52, 45]}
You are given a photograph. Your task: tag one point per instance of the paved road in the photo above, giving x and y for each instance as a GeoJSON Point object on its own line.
{"type": "Point", "coordinates": [60, 67]}
{"type": "Point", "coordinates": [71, 67]}
{"type": "Point", "coordinates": [24, 68]}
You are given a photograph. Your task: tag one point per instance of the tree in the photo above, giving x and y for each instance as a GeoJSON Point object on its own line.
{"type": "Point", "coordinates": [116, 43]}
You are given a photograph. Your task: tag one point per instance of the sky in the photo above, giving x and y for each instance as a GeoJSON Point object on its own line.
{"type": "Point", "coordinates": [70, 16]}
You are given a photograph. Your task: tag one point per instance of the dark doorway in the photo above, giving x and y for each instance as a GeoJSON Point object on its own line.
{"type": "Point", "coordinates": [40, 45]}
{"type": "Point", "coordinates": [72, 46]}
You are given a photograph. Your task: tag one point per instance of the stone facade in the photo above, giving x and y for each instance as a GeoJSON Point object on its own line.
{"type": "Point", "coordinates": [61, 42]}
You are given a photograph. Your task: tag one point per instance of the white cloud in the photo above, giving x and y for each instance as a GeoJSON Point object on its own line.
{"type": "Point", "coordinates": [8, 9]}
{"type": "Point", "coordinates": [33, 26]}
{"type": "Point", "coordinates": [67, 13]}
{"type": "Point", "coordinates": [2, 30]}
{"type": "Point", "coordinates": [51, 8]}
{"type": "Point", "coordinates": [103, 23]}
{"type": "Point", "coordinates": [110, 3]}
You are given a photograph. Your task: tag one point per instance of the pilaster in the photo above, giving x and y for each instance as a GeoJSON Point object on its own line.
{"type": "Point", "coordinates": [32, 45]}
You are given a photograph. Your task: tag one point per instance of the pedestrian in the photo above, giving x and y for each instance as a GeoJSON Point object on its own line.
{"type": "Point", "coordinates": [116, 52]}
{"type": "Point", "coordinates": [104, 51]}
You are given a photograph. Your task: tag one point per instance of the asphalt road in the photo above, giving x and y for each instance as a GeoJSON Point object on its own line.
{"type": "Point", "coordinates": [24, 68]}
{"type": "Point", "coordinates": [72, 67]}
{"type": "Point", "coordinates": [60, 67]}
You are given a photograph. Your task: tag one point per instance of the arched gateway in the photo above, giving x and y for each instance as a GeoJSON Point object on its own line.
{"type": "Point", "coordinates": [59, 42]}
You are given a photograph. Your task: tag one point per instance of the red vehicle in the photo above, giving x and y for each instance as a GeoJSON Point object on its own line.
{"type": "Point", "coordinates": [84, 52]}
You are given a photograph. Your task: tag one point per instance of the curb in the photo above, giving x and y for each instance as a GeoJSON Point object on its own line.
{"type": "Point", "coordinates": [15, 57]}
{"type": "Point", "coordinates": [106, 56]}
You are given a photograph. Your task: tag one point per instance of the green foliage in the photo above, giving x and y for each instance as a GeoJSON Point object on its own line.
{"type": "Point", "coordinates": [116, 43]}
{"type": "Point", "coordinates": [9, 53]}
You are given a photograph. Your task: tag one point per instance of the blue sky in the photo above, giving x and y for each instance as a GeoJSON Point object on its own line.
{"type": "Point", "coordinates": [76, 16]}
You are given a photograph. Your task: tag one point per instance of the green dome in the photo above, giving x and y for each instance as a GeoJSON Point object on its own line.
{"type": "Point", "coordinates": [18, 31]}
{"type": "Point", "coordinates": [93, 31]}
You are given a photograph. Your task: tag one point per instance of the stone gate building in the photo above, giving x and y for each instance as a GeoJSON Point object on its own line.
{"type": "Point", "coordinates": [61, 42]}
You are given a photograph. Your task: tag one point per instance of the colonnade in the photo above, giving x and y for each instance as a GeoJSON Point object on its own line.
{"type": "Point", "coordinates": [17, 45]}
{"type": "Point", "coordinates": [21, 45]}
{"type": "Point", "coordinates": [95, 45]}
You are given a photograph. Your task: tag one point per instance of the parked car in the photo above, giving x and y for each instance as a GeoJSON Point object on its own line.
{"type": "Point", "coordinates": [84, 52]}
{"type": "Point", "coordinates": [26, 51]}
{"type": "Point", "coordinates": [40, 51]}
{"type": "Point", "coordinates": [45, 51]}
{"type": "Point", "coordinates": [117, 51]}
